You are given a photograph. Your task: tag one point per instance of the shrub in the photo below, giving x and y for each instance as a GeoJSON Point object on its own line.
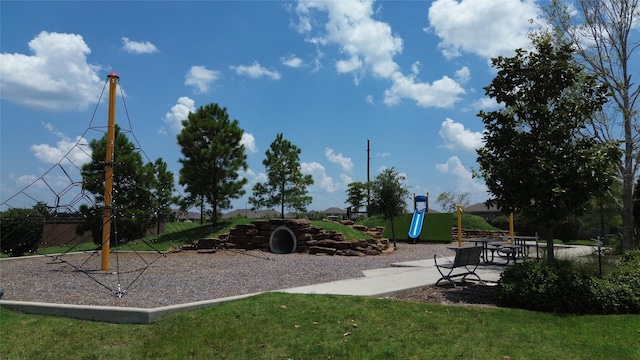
{"type": "Point", "coordinates": [542, 287]}
{"type": "Point", "coordinates": [619, 291]}
{"type": "Point", "coordinates": [560, 288]}
{"type": "Point", "coordinates": [21, 230]}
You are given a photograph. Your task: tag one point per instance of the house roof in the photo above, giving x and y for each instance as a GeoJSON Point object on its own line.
{"type": "Point", "coordinates": [334, 210]}
{"type": "Point", "coordinates": [480, 207]}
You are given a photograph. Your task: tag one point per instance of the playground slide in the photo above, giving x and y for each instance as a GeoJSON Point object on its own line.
{"type": "Point", "coordinates": [416, 223]}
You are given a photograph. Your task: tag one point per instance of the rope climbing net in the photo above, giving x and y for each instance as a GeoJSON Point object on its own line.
{"type": "Point", "coordinates": [68, 200]}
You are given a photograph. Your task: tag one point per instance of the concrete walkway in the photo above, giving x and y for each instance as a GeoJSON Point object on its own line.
{"type": "Point", "coordinates": [399, 276]}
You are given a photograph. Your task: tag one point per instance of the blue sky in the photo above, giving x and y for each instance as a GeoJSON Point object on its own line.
{"type": "Point", "coordinates": [406, 75]}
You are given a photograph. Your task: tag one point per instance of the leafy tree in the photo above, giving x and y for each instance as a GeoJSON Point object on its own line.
{"type": "Point", "coordinates": [213, 155]}
{"type": "Point", "coordinates": [286, 185]}
{"type": "Point", "coordinates": [357, 193]}
{"type": "Point", "coordinates": [535, 160]}
{"type": "Point", "coordinates": [449, 201]}
{"type": "Point", "coordinates": [162, 191]}
{"type": "Point", "coordinates": [388, 194]}
{"type": "Point", "coordinates": [21, 230]}
{"type": "Point", "coordinates": [132, 199]}
{"type": "Point", "coordinates": [606, 37]}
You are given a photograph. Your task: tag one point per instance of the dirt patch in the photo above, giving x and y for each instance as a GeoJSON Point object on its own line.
{"type": "Point", "coordinates": [467, 293]}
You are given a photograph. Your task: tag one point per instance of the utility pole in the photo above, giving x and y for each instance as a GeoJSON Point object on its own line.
{"type": "Point", "coordinates": [368, 177]}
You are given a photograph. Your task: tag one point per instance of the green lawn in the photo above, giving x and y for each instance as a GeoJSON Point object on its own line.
{"type": "Point", "coordinates": [289, 326]}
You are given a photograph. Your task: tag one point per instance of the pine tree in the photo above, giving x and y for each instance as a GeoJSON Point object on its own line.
{"type": "Point", "coordinates": [286, 185]}
{"type": "Point", "coordinates": [213, 155]}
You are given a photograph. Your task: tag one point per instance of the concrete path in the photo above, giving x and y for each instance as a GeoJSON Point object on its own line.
{"type": "Point", "coordinates": [400, 276]}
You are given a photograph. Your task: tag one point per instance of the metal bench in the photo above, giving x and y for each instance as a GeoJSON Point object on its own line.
{"type": "Point", "coordinates": [467, 258]}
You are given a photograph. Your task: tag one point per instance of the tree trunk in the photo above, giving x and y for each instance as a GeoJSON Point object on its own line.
{"type": "Point", "coordinates": [393, 233]}
{"type": "Point", "coordinates": [546, 233]}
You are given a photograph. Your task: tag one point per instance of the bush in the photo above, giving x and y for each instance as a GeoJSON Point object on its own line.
{"type": "Point", "coordinates": [541, 287]}
{"type": "Point", "coordinates": [619, 291]}
{"type": "Point", "coordinates": [561, 288]}
{"type": "Point", "coordinates": [21, 230]}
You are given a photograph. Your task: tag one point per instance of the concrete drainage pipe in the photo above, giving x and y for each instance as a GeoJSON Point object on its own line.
{"type": "Point", "coordinates": [282, 241]}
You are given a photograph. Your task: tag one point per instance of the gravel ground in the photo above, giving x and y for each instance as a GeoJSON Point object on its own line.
{"type": "Point", "coordinates": [150, 280]}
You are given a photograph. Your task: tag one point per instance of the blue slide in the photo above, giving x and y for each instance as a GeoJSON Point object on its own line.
{"type": "Point", "coordinates": [416, 223]}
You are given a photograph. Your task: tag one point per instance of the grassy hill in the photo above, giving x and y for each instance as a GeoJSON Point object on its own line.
{"type": "Point", "coordinates": [403, 222]}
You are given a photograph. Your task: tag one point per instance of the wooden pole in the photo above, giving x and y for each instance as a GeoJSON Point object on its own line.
{"type": "Point", "coordinates": [108, 172]}
{"type": "Point", "coordinates": [511, 230]}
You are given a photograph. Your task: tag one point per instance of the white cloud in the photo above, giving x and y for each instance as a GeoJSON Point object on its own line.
{"type": "Point", "coordinates": [255, 71]}
{"type": "Point", "coordinates": [485, 103]}
{"type": "Point", "coordinates": [369, 99]}
{"type": "Point", "coordinates": [346, 179]}
{"type": "Point", "coordinates": [442, 93]}
{"type": "Point", "coordinates": [487, 28]}
{"type": "Point", "coordinates": [369, 46]}
{"type": "Point", "coordinates": [179, 112]}
{"type": "Point", "coordinates": [456, 137]}
{"type": "Point", "coordinates": [344, 162]}
{"type": "Point", "coordinates": [465, 182]}
{"type": "Point", "coordinates": [138, 47]}
{"type": "Point", "coordinates": [320, 176]}
{"type": "Point", "coordinates": [200, 78]}
{"type": "Point", "coordinates": [65, 150]}
{"type": "Point", "coordinates": [56, 77]}
{"type": "Point", "coordinates": [292, 61]}
{"type": "Point", "coordinates": [463, 75]}
{"type": "Point", "coordinates": [249, 142]}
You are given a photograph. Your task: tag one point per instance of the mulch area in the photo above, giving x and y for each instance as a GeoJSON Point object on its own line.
{"type": "Point", "coordinates": [467, 293]}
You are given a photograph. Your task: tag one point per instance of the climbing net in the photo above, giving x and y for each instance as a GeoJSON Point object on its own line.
{"type": "Point", "coordinates": [61, 190]}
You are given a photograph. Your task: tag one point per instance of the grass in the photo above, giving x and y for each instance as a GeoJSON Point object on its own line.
{"type": "Point", "coordinates": [349, 233]}
{"type": "Point", "coordinates": [293, 326]}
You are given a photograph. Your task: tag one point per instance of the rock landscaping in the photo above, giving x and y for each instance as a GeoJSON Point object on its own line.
{"type": "Point", "coordinates": [296, 235]}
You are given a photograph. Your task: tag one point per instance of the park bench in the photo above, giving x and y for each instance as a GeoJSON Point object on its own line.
{"type": "Point", "coordinates": [467, 258]}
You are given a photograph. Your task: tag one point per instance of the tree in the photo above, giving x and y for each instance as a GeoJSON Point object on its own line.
{"type": "Point", "coordinates": [162, 192]}
{"type": "Point", "coordinates": [357, 195]}
{"type": "Point", "coordinates": [286, 185]}
{"type": "Point", "coordinates": [449, 201]}
{"type": "Point", "coordinates": [21, 230]}
{"type": "Point", "coordinates": [388, 194]}
{"type": "Point", "coordinates": [606, 36]}
{"type": "Point", "coordinates": [132, 206]}
{"type": "Point", "coordinates": [213, 155]}
{"type": "Point", "coordinates": [535, 160]}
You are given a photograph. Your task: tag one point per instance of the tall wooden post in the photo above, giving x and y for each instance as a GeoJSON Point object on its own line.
{"type": "Point", "coordinates": [108, 172]}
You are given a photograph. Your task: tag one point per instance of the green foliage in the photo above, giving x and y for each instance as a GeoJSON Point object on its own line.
{"type": "Point", "coordinates": [560, 287]}
{"type": "Point", "coordinates": [213, 155]}
{"type": "Point", "coordinates": [133, 203]}
{"type": "Point", "coordinates": [619, 290]}
{"type": "Point", "coordinates": [286, 185]}
{"type": "Point", "coordinates": [501, 222]}
{"type": "Point", "coordinates": [21, 230]}
{"type": "Point", "coordinates": [535, 159]}
{"type": "Point", "coordinates": [449, 201]}
{"type": "Point", "coordinates": [357, 194]}
{"type": "Point", "coordinates": [388, 194]}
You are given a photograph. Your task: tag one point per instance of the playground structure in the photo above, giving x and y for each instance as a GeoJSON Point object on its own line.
{"type": "Point", "coordinates": [417, 221]}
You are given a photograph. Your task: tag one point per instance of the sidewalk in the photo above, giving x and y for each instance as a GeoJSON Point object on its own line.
{"type": "Point", "coordinates": [413, 274]}
{"type": "Point", "coordinates": [399, 276]}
